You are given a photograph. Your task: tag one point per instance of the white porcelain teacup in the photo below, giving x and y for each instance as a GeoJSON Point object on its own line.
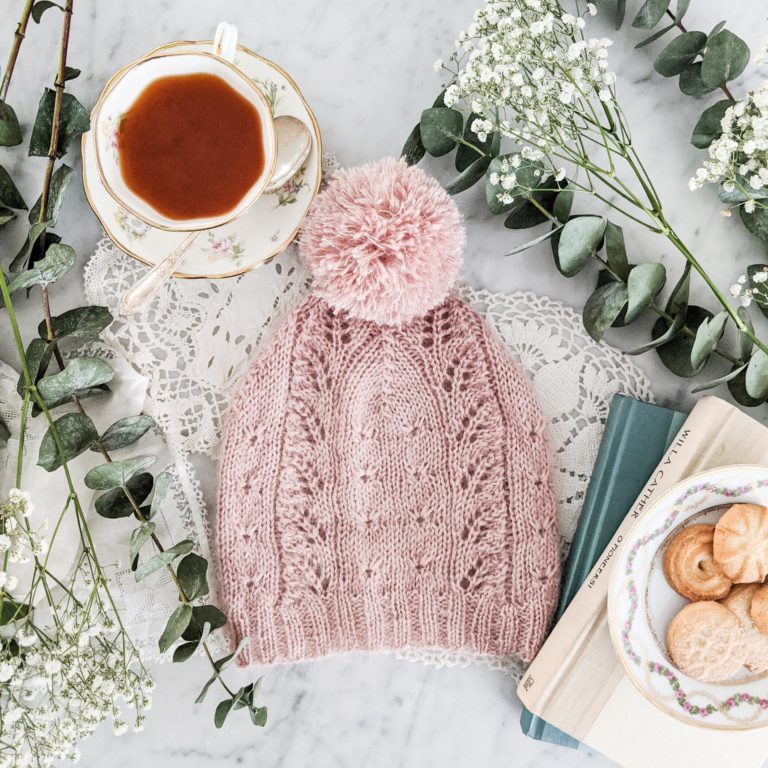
{"type": "Point", "coordinates": [129, 83]}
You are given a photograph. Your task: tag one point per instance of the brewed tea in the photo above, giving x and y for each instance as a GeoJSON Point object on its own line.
{"type": "Point", "coordinates": [191, 146]}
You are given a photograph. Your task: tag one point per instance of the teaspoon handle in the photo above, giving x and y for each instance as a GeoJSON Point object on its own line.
{"type": "Point", "coordinates": [138, 296]}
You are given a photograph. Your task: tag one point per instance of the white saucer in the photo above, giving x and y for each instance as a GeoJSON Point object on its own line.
{"type": "Point", "coordinates": [263, 231]}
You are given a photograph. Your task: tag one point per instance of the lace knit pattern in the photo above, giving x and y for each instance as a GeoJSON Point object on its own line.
{"type": "Point", "coordinates": [386, 488]}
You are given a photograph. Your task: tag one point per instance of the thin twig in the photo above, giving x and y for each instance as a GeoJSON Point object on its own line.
{"type": "Point", "coordinates": [18, 37]}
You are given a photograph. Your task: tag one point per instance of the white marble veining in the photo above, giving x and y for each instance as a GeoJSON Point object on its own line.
{"type": "Point", "coordinates": [366, 68]}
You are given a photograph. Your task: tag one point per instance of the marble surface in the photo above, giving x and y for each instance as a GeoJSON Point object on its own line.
{"type": "Point", "coordinates": [366, 68]}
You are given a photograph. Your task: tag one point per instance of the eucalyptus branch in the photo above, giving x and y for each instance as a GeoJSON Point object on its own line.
{"type": "Point", "coordinates": [679, 24]}
{"type": "Point", "coordinates": [18, 37]}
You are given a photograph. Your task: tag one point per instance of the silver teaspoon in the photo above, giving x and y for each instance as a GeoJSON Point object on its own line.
{"type": "Point", "coordinates": [294, 143]}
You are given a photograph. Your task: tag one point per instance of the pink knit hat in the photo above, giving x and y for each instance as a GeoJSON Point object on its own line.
{"type": "Point", "coordinates": [385, 481]}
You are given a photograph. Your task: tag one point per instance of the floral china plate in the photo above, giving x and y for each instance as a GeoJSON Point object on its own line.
{"type": "Point", "coordinates": [641, 604]}
{"type": "Point", "coordinates": [266, 229]}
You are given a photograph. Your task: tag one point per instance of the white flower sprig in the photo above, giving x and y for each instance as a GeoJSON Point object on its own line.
{"type": "Point", "coordinates": [738, 159]}
{"type": "Point", "coordinates": [66, 664]}
{"type": "Point", "coordinates": [529, 73]}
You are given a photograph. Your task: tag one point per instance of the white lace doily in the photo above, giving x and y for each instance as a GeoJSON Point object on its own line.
{"type": "Point", "coordinates": [196, 340]}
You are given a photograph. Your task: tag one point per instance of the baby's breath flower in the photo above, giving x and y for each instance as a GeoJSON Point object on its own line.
{"type": "Point", "coordinates": [738, 159]}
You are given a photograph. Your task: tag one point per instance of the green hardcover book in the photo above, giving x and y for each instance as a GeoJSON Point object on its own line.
{"type": "Point", "coordinates": [635, 439]}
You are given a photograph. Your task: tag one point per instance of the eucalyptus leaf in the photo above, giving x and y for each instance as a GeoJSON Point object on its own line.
{"type": "Point", "coordinates": [161, 560]}
{"type": "Point", "coordinates": [603, 307]}
{"type": "Point", "coordinates": [38, 356]}
{"type": "Point", "coordinates": [535, 241]}
{"type": "Point", "coordinates": [690, 82]}
{"type": "Point", "coordinates": [126, 431]}
{"type": "Point", "coordinates": [192, 575]}
{"type": "Point", "coordinates": [59, 182]}
{"type": "Point", "coordinates": [80, 373]}
{"type": "Point", "coordinates": [73, 122]}
{"type": "Point", "coordinates": [756, 222]}
{"type": "Point", "coordinates": [719, 380]}
{"type": "Point", "coordinates": [745, 343]}
{"type": "Point", "coordinates": [10, 610]}
{"type": "Point", "coordinates": [740, 193]}
{"type": "Point", "coordinates": [76, 434]}
{"type": "Point", "coordinates": [650, 14]}
{"type": "Point", "coordinates": [71, 73]}
{"type": "Point", "coordinates": [186, 650]}
{"type": "Point", "coordinates": [524, 215]}
{"type": "Point", "coordinates": [676, 353]}
{"type": "Point", "coordinates": [756, 380]}
{"type": "Point", "coordinates": [738, 389]}
{"type": "Point", "coordinates": [707, 336]}
{"type": "Point", "coordinates": [440, 128]}
{"type": "Point", "coordinates": [681, 9]}
{"type": "Point", "coordinates": [465, 155]}
{"type": "Point", "coordinates": [708, 128]}
{"type": "Point", "coordinates": [644, 283]}
{"type": "Point", "coordinates": [202, 615]}
{"type": "Point", "coordinates": [6, 215]}
{"type": "Point", "coordinates": [258, 716]}
{"type": "Point", "coordinates": [140, 536]}
{"type": "Point", "coordinates": [678, 299]}
{"type": "Point", "coordinates": [115, 504]}
{"type": "Point", "coordinates": [10, 130]}
{"type": "Point", "coordinates": [163, 484]}
{"type": "Point", "coordinates": [222, 710]}
{"type": "Point", "coordinates": [616, 251]}
{"type": "Point", "coordinates": [58, 260]}
{"type": "Point", "coordinates": [621, 9]}
{"type": "Point", "coordinates": [40, 7]}
{"type": "Point", "coordinates": [81, 321]}
{"type": "Point", "coordinates": [579, 241]}
{"type": "Point", "coordinates": [178, 621]}
{"type": "Point", "coordinates": [10, 197]}
{"type": "Point", "coordinates": [114, 474]}
{"type": "Point", "coordinates": [658, 341]}
{"type": "Point", "coordinates": [413, 150]}
{"type": "Point", "coordinates": [564, 203]}
{"type": "Point", "coordinates": [469, 176]}
{"type": "Point", "coordinates": [655, 36]}
{"type": "Point", "coordinates": [681, 52]}
{"type": "Point", "coordinates": [21, 258]}
{"type": "Point", "coordinates": [201, 696]}
{"type": "Point", "coordinates": [223, 663]}
{"type": "Point", "coordinates": [720, 25]}
{"type": "Point", "coordinates": [725, 59]}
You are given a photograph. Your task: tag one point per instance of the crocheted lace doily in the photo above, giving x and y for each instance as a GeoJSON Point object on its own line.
{"type": "Point", "coordinates": [195, 342]}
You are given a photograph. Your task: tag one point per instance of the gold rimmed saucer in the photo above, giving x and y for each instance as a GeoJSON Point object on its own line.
{"type": "Point", "coordinates": [262, 232]}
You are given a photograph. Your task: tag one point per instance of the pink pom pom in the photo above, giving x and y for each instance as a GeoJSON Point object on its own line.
{"type": "Point", "coordinates": [384, 242]}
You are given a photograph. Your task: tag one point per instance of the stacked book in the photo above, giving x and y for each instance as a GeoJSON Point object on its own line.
{"type": "Point", "coordinates": [576, 692]}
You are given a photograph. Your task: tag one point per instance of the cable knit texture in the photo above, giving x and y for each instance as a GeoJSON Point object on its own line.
{"type": "Point", "coordinates": [386, 487]}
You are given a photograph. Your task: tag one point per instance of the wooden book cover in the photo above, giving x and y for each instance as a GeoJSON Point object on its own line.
{"type": "Point", "coordinates": [577, 684]}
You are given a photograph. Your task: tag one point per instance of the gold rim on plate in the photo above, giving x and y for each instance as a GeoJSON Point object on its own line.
{"type": "Point", "coordinates": [117, 77]}
{"type": "Point", "coordinates": [318, 176]}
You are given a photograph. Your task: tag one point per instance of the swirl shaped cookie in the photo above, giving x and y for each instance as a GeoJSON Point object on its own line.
{"type": "Point", "coordinates": [740, 543]}
{"type": "Point", "coordinates": [707, 642]}
{"type": "Point", "coordinates": [690, 566]}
